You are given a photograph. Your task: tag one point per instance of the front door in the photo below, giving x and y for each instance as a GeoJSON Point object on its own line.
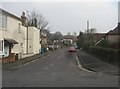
{"type": "Point", "coordinates": [6, 51]}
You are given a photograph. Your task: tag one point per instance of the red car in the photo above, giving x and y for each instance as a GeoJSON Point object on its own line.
{"type": "Point", "coordinates": [72, 49]}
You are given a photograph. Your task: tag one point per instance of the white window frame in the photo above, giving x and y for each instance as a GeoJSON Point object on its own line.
{"type": "Point", "coordinates": [3, 18]}
{"type": "Point", "coordinates": [2, 52]}
{"type": "Point", "coordinates": [0, 19]}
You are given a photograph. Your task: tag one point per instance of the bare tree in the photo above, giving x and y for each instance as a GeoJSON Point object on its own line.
{"type": "Point", "coordinates": [74, 34]}
{"type": "Point", "coordinates": [37, 20]}
{"type": "Point", "coordinates": [68, 33]}
{"type": "Point", "coordinates": [90, 35]}
{"type": "Point", "coordinates": [80, 41]}
{"type": "Point", "coordinates": [58, 36]}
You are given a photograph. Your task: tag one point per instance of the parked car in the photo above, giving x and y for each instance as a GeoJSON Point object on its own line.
{"type": "Point", "coordinates": [72, 49]}
{"type": "Point", "coordinates": [51, 47]}
{"type": "Point", "coordinates": [56, 47]}
{"type": "Point", "coordinates": [75, 46]}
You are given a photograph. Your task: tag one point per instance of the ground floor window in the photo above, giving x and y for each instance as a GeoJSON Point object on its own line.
{"type": "Point", "coordinates": [1, 48]}
{"type": "Point", "coordinates": [1, 45]}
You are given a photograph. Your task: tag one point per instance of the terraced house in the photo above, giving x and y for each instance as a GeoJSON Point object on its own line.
{"type": "Point", "coordinates": [17, 40]}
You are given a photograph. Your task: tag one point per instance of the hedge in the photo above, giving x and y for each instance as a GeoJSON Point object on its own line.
{"type": "Point", "coordinates": [108, 54]}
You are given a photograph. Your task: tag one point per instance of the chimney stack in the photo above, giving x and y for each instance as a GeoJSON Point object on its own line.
{"type": "Point", "coordinates": [24, 19]}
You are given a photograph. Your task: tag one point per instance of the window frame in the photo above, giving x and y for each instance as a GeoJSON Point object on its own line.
{"type": "Point", "coordinates": [2, 51]}
{"type": "Point", "coordinates": [3, 22]}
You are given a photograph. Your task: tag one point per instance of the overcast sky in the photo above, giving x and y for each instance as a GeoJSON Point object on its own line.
{"type": "Point", "coordinates": [71, 16]}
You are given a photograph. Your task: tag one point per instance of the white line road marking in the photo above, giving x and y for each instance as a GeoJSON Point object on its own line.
{"type": "Point", "coordinates": [56, 59]}
{"type": "Point", "coordinates": [48, 55]}
{"type": "Point", "coordinates": [46, 68]}
{"type": "Point", "coordinates": [28, 62]}
{"type": "Point", "coordinates": [80, 66]}
{"type": "Point", "coordinates": [25, 64]}
{"type": "Point", "coordinates": [51, 64]}
{"type": "Point", "coordinates": [34, 61]}
{"type": "Point", "coordinates": [42, 57]}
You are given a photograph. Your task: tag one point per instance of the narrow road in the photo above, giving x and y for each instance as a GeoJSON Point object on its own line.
{"type": "Point", "coordinates": [58, 69]}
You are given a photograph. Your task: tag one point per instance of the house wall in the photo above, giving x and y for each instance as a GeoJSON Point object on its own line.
{"type": "Point", "coordinates": [15, 30]}
{"type": "Point", "coordinates": [18, 33]}
{"type": "Point", "coordinates": [69, 41]}
{"type": "Point", "coordinates": [24, 35]}
{"type": "Point", "coordinates": [12, 24]}
{"type": "Point", "coordinates": [112, 38]}
{"type": "Point", "coordinates": [30, 40]}
{"type": "Point", "coordinates": [20, 37]}
{"type": "Point", "coordinates": [34, 39]}
{"type": "Point", "coordinates": [36, 43]}
{"type": "Point", "coordinates": [44, 41]}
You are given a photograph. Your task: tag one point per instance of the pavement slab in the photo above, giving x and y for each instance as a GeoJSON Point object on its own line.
{"type": "Point", "coordinates": [92, 63]}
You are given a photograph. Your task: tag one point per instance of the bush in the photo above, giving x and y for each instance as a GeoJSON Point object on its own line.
{"type": "Point", "coordinates": [104, 43]}
{"type": "Point", "coordinates": [108, 54]}
{"type": "Point", "coordinates": [86, 47]}
{"type": "Point", "coordinates": [115, 45]}
{"type": "Point", "coordinates": [107, 44]}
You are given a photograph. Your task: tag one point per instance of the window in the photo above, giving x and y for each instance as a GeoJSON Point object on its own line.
{"type": "Point", "coordinates": [3, 21]}
{"type": "Point", "coordinates": [1, 45]}
{"type": "Point", "coordinates": [0, 21]}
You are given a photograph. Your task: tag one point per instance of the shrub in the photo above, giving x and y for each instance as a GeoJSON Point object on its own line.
{"type": "Point", "coordinates": [108, 54]}
{"type": "Point", "coordinates": [115, 45]}
{"type": "Point", "coordinates": [104, 43]}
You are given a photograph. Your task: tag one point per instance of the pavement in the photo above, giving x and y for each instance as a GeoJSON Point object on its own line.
{"type": "Point", "coordinates": [24, 61]}
{"type": "Point", "coordinates": [57, 69]}
{"type": "Point", "coordinates": [94, 64]}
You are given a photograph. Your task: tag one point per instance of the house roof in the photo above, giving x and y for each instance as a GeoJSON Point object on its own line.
{"type": "Point", "coordinates": [74, 38]}
{"type": "Point", "coordinates": [68, 37]}
{"type": "Point", "coordinates": [114, 31]}
{"type": "Point", "coordinates": [11, 40]}
{"type": "Point", "coordinates": [98, 36]}
{"type": "Point", "coordinates": [43, 35]}
{"type": "Point", "coordinates": [10, 14]}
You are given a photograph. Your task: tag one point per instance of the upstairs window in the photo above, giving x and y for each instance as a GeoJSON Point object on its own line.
{"type": "Point", "coordinates": [3, 21]}
{"type": "Point", "coordinates": [0, 21]}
